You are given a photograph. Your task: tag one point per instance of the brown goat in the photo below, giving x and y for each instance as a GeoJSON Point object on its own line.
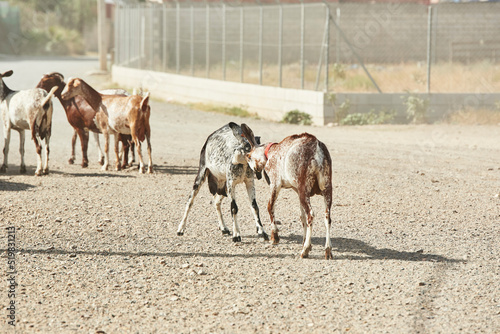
{"type": "Point", "coordinates": [116, 114]}
{"type": "Point", "coordinates": [81, 117]}
{"type": "Point", "coordinates": [300, 162]}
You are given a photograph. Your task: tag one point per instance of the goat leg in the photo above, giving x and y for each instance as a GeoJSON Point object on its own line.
{"type": "Point", "coordinates": [217, 203]}
{"type": "Point", "coordinates": [250, 184]}
{"type": "Point", "coordinates": [275, 239]}
{"type": "Point", "coordinates": [73, 143]}
{"type": "Point", "coordinates": [6, 134]}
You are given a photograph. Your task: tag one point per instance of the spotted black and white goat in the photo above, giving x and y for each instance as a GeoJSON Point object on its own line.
{"type": "Point", "coordinates": [300, 162]}
{"type": "Point", "coordinates": [222, 161]}
{"type": "Point", "coordinates": [22, 110]}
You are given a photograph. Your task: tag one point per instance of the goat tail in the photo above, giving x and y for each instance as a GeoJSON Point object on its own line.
{"type": "Point", "coordinates": [46, 100]}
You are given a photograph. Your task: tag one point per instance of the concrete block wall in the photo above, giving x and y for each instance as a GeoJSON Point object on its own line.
{"type": "Point", "coordinates": [273, 103]}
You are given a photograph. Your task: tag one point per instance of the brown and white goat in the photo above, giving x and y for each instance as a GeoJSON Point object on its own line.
{"type": "Point", "coordinates": [116, 114]}
{"type": "Point", "coordinates": [302, 163]}
{"type": "Point", "coordinates": [81, 116]}
{"type": "Point", "coordinates": [22, 110]}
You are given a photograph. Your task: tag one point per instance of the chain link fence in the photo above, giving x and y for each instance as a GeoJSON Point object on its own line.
{"type": "Point", "coordinates": [340, 47]}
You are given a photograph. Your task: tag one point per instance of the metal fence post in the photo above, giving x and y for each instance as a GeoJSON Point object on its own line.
{"type": "Point", "coordinates": [191, 48]}
{"type": "Point", "coordinates": [224, 41]}
{"type": "Point", "coordinates": [207, 41]}
{"type": "Point", "coordinates": [178, 38]}
{"type": "Point", "coordinates": [142, 36]}
{"type": "Point", "coordinates": [261, 37]}
{"type": "Point", "coordinates": [429, 48]}
{"type": "Point", "coordinates": [327, 47]}
{"type": "Point", "coordinates": [280, 47]}
{"type": "Point", "coordinates": [118, 22]}
{"type": "Point", "coordinates": [242, 31]}
{"type": "Point", "coordinates": [302, 37]}
{"type": "Point", "coordinates": [337, 40]}
{"type": "Point", "coordinates": [151, 39]}
{"type": "Point", "coordinates": [165, 39]}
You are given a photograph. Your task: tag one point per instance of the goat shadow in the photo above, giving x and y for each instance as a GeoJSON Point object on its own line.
{"type": "Point", "coordinates": [14, 186]}
{"type": "Point", "coordinates": [368, 252]}
{"type": "Point", "coordinates": [340, 245]}
{"type": "Point", "coordinates": [176, 170]}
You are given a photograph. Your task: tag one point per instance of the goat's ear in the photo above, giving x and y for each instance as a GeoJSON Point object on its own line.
{"type": "Point", "coordinates": [144, 102]}
{"type": "Point", "coordinates": [236, 130]}
{"type": "Point", "coordinates": [248, 134]}
{"type": "Point", "coordinates": [7, 74]}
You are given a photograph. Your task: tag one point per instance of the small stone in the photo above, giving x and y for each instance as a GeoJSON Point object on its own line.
{"type": "Point", "coordinates": [174, 298]}
{"type": "Point", "coordinates": [185, 266]}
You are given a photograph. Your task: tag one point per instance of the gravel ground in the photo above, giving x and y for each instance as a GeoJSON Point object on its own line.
{"type": "Point", "coordinates": [415, 234]}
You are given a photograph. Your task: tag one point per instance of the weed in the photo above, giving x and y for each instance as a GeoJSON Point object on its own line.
{"type": "Point", "coordinates": [226, 110]}
{"type": "Point", "coordinates": [297, 117]}
{"type": "Point", "coordinates": [416, 108]}
{"type": "Point", "coordinates": [371, 118]}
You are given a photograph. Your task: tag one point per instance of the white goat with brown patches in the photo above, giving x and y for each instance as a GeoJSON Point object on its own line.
{"type": "Point", "coordinates": [300, 162]}
{"type": "Point", "coordinates": [22, 110]}
{"type": "Point", "coordinates": [222, 162]}
{"type": "Point", "coordinates": [116, 114]}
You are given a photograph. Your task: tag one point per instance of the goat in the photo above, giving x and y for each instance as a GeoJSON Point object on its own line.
{"type": "Point", "coordinates": [81, 116]}
{"type": "Point", "coordinates": [222, 162]}
{"type": "Point", "coordinates": [300, 162]}
{"type": "Point", "coordinates": [29, 109]}
{"type": "Point", "coordinates": [116, 114]}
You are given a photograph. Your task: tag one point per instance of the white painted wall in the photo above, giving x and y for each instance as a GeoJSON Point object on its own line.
{"type": "Point", "coordinates": [268, 102]}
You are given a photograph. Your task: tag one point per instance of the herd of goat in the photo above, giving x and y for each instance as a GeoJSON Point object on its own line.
{"type": "Point", "coordinates": [231, 155]}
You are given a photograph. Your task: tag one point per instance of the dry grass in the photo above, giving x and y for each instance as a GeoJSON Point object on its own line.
{"type": "Point", "coordinates": [481, 77]}
{"type": "Point", "coordinates": [474, 117]}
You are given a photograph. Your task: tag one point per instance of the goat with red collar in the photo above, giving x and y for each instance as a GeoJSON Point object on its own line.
{"type": "Point", "coordinates": [300, 162]}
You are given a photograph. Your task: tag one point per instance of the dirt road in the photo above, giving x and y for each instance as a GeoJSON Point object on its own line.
{"type": "Point", "coordinates": [415, 234]}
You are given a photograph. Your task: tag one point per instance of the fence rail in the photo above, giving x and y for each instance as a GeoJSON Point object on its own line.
{"type": "Point", "coordinates": [338, 47]}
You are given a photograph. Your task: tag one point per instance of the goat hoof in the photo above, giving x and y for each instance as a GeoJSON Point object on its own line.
{"type": "Point", "coordinates": [180, 233]}
{"type": "Point", "coordinates": [328, 254]}
{"type": "Point", "coordinates": [38, 173]}
{"type": "Point", "coordinates": [275, 237]}
{"type": "Point", "coordinates": [85, 164]}
{"type": "Point", "coordinates": [226, 232]}
{"type": "Point", "coordinates": [237, 239]}
{"type": "Point", "coordinates": [101, 161]}
{"type": "Point", "coordinates": [304, 255]}
{"type": "Point", "coordinates": [45, 172]}
{"type": "Point", "coordinates": [71, 161]}
{"type": "Point", "coordinates": [23, 170]}
{"type": "Point", "coordinates": [3, 169]}
{"type": "Point", "coordinates": [264, 236]}
{"type": "Point", "coordinates": [150, 170]}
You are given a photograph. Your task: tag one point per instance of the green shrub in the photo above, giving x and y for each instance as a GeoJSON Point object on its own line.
{"type": "Point", "coordinates": [342, 111]}
{"type": "Point", "coordinates": [297, 117]}
{"type": "Point", "coordinates": [416, 108]}
{"type": "Point", "coordinates": [370, 118]}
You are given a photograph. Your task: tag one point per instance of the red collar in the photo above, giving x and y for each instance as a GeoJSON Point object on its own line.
{"type": "Point", "coordinates": [266, 151]}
